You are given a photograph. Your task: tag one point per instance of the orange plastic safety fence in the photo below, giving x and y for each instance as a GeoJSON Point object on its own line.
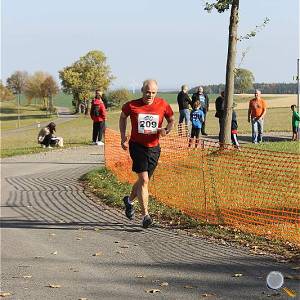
{"type": "Point", "coordinates": [253, 190]}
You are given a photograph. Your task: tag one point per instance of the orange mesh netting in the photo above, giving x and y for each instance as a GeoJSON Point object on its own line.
{"type": "Point", "coordinates": [253, 190]}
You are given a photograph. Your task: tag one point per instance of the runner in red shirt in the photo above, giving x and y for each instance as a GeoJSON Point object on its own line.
{"type": "Point", "coordinates": [146, 115]}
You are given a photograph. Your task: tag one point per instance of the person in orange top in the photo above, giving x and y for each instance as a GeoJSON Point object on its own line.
{"type": "Point", "coordinates": [256, 113]}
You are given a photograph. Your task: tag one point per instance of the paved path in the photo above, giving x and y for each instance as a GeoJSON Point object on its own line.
{"type": "Point", "coordinates": [51, 228]}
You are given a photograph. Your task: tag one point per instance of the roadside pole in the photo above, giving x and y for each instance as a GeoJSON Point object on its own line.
{"type": "Point", "coordinates": [18, 99]}
{"type": "Point", "coordinates": [298, 86]}
{"type": "Point", "coordinates": [298, 90]}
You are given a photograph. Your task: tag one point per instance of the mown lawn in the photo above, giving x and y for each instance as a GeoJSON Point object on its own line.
{"type": "Point", "coordinates": [288, 146]}
{"type": "Point", "coordinates": [242, 98]}
{"type": "Point", "coordinates": [212, 123]}
{"type": "Point", "coordinates": [78, 131]}
{"type": "Point", "coordinates": [75, 133]}
{"type": "Point", "coordinates": [29, 115]}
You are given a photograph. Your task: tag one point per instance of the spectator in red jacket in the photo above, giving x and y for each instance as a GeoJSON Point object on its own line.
{"type": "Point", "coordinates": [98, 115]}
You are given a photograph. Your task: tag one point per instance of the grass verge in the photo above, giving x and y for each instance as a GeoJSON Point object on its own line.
{"type": "Point", "coordinates": [29, 115]}
{"type": "Point", "coordinates": [109, 190]}
{"type": "Point", "coordinates": [75, 132]}
{"type": "Point", "coordinates": [289, 146]}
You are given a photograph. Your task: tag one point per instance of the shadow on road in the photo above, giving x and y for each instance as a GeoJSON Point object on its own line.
{"type": "Point", "coordinates": [56, 200]}
{"type": "Point", "coordinates": [248, 139]}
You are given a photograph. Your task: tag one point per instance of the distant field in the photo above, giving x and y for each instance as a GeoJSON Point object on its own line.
{"type": "Point", "coordinates": [63, 100]}
{"type": "Point", "coordinates": [278, 119]}
{"type": "Point", "coordinates": [26, 143]}
{"type": "Point", "coordinates": [273, 100]}
{"type": "Point", "coordinates": [272, 122]}
{"type": "Point", "coordinates": [29, 115]}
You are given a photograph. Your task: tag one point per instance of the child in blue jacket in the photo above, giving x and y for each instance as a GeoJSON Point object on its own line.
{"type": "Point", "coordinates": [197, 119]}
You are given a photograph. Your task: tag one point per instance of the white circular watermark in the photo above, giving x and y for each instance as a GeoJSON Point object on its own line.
{"type": "Point", "coordinates": [275, 280]}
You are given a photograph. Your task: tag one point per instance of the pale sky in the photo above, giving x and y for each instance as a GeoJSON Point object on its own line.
{"type": "Point", "coordinates": [173, 41]}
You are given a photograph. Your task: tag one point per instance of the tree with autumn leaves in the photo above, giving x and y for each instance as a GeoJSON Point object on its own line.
{"type": "Point", "coordinates": [40, 86]}
{"type": "Point", "coordinates": [85, 75]}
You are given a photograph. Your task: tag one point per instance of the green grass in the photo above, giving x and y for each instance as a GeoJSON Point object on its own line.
{"type": "Point", "coordinates": [277, 119]}
{"type": "Point", "coordinates": [75, 133]}
{"type": "Point", "coordinates": [21, 143]}
{"type": "Point", "coordinates": [29, 115]}
{"type": "Point", "coordinates": [63, 100]}
{"type": "Point", "coordinates": [172, 97]}
{"type": "Point", "coordinates": [105, 185]}
{"type": "Point", "coordinates": [272, 122]}
{"type": "Point", "coordinates": [290, 146]}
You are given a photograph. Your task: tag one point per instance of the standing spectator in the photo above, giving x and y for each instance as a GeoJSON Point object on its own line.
{"type": "Point", "coordinates": [256, 114]}
{"type": "Point", "coordinates": [234, 127]}
{"type": "Point", "coordinates": [197, 119]}
{"type": "Point", "coordinates": [82, 107]}
{"type": "Point", "coordinates": [203, 98]}
{"type": "Point", "coordinates": [86, 105]}
{"type": "Point", "coordinates": [98, 115]}
{"type": "Point", "coordinates": [220, 111]}
{"type": "Point", "coordinates": [103, 97]}
{"type": "Point", "coordinates": [295, 123]}
{"type": "Point", "coordinates": [184, 101]}
{"type": "Point", "coordinates": [147, 115]}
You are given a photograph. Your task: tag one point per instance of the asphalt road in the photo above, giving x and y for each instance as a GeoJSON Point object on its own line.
{"type": "Point", "coordinates": [51, 228]}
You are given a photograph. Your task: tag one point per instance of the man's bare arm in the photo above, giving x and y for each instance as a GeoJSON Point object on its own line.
{"type": "Point", "coordinates": [122, 128]}
{"type": "Point", "coordinates": [164, 131]}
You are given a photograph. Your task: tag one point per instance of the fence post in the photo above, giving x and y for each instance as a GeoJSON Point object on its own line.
{"type": "Point", "coordinates": [203, 176]}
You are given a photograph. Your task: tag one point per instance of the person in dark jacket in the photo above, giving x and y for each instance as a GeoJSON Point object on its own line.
{"type": "Point", "coordinates": [98, 115]}
{"type": "Point", "coordinates": [220, 111]}
{"type": "Point", "coordinates": [234, 127]}
{"type": "Point", "coordinates": [184, 101]}
{"type": "Point", "coordinates": [204, 100]}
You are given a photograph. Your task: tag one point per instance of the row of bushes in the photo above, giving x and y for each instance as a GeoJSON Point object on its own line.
{"type": "Point", "coordinates": [115, 99]}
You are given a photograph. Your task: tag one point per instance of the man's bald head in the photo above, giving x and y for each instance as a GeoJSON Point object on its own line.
{"type": "Point", "coordinates": [149, 90]}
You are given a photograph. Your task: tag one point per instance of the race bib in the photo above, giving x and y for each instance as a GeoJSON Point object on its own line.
{"type": "Point", "coordinates": [147, 123]}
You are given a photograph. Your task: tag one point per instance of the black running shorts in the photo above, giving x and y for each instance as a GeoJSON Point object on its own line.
{"type": "Point", "coordinates": [143, 158]}
{"type": "Point", "coordinates": [295, 129]}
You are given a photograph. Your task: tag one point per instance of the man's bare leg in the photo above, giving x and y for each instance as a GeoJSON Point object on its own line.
{"type": "Point", "coordinates": [142, 191]}
{"type": "Point", "coordinates": [133, 193]}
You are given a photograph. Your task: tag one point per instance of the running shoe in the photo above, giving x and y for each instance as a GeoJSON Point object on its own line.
{"type": "Point", "coordinates": [147, 221]}
{"type": "Point", "coordinates": [129, 209]}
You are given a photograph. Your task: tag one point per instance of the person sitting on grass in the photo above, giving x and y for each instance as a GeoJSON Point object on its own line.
{"type": "Point", "coordinates": [295, 123]}
{"type": "Point", "coordinates": [47, 138]}
{"type": "Point", "coordinates": [197, 119]}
